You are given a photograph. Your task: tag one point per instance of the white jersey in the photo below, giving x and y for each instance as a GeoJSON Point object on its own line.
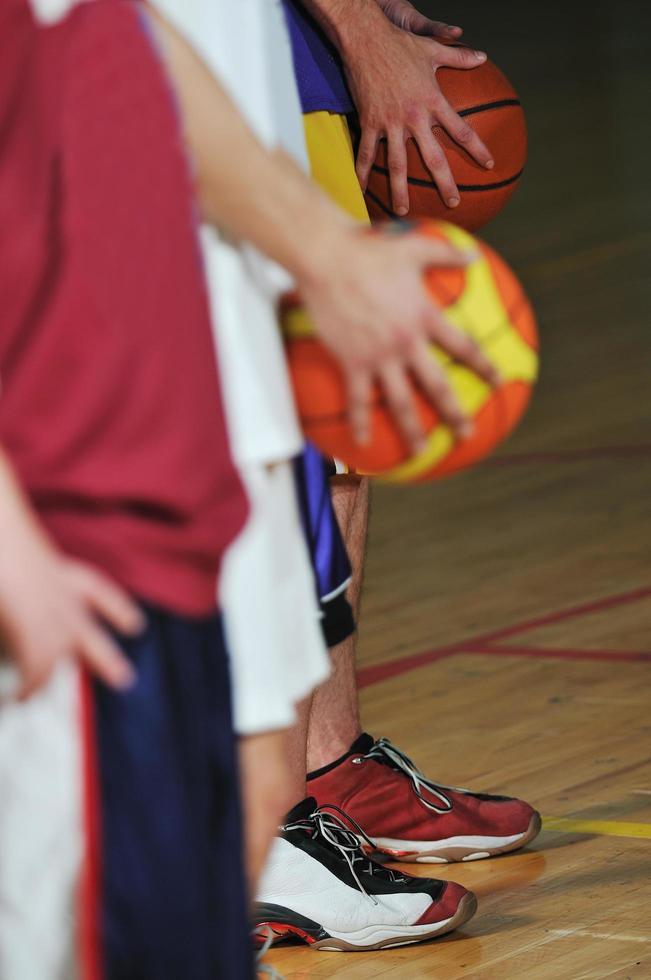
{"type": "Point", "coordinates": [247, 46]}
{"type": "Point", "coordinates": [268, 593]}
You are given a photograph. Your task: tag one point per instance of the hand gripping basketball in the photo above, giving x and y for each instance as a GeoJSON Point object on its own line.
{"type": "Point", "coordinates": [485, 311]}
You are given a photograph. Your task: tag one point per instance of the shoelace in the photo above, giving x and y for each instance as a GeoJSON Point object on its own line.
{"type": "Point", "coordinates": [347, 842]}
{"type": "Point", "coordinates": [265, 969]}
{"type": "Point", "coordinates": [384, 749]}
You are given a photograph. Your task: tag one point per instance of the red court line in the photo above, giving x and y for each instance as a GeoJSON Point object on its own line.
{"type": "Point", "coordinates": [484, 643]}
{"type": "Point", "coordinates": [571, 455]}
{"type": "Point", "coordinates": [391, 668]}
{"type": "Point", "coordinates": [394, 668]}
{"type": "Point", "coordinates": [584, 609]}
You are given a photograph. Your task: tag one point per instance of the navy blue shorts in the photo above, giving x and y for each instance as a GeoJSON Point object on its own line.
{"type": "Point", "coordinates": [169, 884]}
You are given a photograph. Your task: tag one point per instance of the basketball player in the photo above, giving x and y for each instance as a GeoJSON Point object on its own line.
{"type": "Point", "coordinates": [389, 52]}
{"type": "Point", "coordinates": [111, 535]}
{"type": "Point", "coordinates": [267, 590]}
{"type": "Point", "coordinates": [110, 416]}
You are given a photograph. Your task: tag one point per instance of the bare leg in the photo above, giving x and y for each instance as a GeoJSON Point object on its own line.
{"type": "Point", "coordinates": [265, 794]}
{"type": "Point", "coordinates": [334, 716]}
{"type": "Point", "coordinates": [328, 721]}
{"type": "Point", "coordinates": [297, 751]}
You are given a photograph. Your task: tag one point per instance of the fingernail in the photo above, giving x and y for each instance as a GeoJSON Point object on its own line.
{"type": "Point", "coordinates": [480, 55]}
{"type": "Point", "coordinates": [401, 211]}
{"type": "Point", "coordinates": [490, 164]}
{"type": "Point", "coordinates": [466, 430]}
{"type": "Point", "coordinates": [453, 202]}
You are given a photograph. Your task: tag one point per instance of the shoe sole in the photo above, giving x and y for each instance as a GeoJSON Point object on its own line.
{"type": "Point", "coordinates": [349, 944]}
{"type": "Point", "coordinates": [456, 850]}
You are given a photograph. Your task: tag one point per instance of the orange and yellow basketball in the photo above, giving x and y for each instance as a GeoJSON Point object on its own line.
{"type": "Point", "coordinates": [486, 301]}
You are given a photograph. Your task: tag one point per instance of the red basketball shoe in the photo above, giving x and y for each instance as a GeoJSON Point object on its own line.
{"type": "Point", "coordinates": [411, 818]}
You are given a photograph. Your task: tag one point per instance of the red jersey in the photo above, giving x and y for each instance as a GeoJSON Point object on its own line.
{"type": "Point", "coordinates": [110, 406]}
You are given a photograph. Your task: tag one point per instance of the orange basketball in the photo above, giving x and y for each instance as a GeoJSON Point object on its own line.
{"type": "Point", "coordinates": [488, 101]}
{"type": "Point", "coordinates": [486, 301]}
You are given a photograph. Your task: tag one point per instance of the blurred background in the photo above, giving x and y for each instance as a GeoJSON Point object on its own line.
{"type": "Point", "coordinates": [573, 521]}
{"type": "Point", "coordinates": [547, 544]}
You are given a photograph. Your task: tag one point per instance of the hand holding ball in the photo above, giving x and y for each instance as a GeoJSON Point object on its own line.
{"type": "Point", "coordinates": [485, 98]}
{"type": "Point", "coordinates": [486, 301]}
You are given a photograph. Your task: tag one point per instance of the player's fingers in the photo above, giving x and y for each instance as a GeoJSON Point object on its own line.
{"type": "Point", "coordinates": [397, 157]}
{"type": "Point", "coordinates": [108, 600]}
{"type": "Point", "coordinates": [418, 23]}
{"type": "Point", "coordinates": [104, 658]}
{"type": "Point", "coordinates": [366, 152]}
{"type": "Point", "coordinates": [436, 162]}
{"type": "Point", "coordinates": [463, 134]}
{"type": "Point", "coordinates": [360, 389]}
{"type": "Point", "coordinates": [451, 57]}
{"type": "Point", "coordinates": [436, 28]}
{"type": "Point", "coordinates": [427, 252]}
{"type": "Point", "coordinates": [401, 403]}
{"type": "Point", "coordinates": [447, 30]}
{"type": "Point", "coordinates": [461, 347]}
{"type": "Point", "coordinates": [434, 383]}
{"type": "Point", "coordinates": [405, 16]}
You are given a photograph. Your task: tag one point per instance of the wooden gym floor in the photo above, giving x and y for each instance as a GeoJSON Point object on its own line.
{"type": "Point", "coordinates": [506, 627]}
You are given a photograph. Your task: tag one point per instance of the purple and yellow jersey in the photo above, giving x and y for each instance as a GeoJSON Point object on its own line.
{"type": "Point", "coordinates": [319, 75]}
{"type": "Point", "coordinates": [325, 101]}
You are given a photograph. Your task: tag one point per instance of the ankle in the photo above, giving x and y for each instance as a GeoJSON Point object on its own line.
{"type": "Point", "coordinates": [331, 754]}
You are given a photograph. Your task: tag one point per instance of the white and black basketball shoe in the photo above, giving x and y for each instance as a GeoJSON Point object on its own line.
{"type": "Point", "coordinates": [320, 886]}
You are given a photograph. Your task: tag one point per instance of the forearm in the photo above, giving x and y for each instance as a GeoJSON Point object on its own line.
{"type": "Point", "coordinates": [243, 189]}
{"type": "Point", "coordinates": [347, 22]}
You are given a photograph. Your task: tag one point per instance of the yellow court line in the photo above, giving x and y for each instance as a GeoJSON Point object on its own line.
{"type": "Point", "coordinates": [606, 828]}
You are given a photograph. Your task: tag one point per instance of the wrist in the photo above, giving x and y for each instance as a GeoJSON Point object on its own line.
{"type": "Point", "coordinates": [347, 24]}
{"type": "Point", "coordinates": [332, 251]}
{"type": "Point", "coordinates": [20, 530]}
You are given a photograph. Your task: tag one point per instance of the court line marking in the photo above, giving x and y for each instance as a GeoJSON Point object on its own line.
{"type": "Point", "coordinates": [486, 643]}
{"type": "Point", "coordinates": [571, 612]}
{"type": "Point", "coordinates": [589, 934]}
{"type": "Point", "coordinates": [601, 828]}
